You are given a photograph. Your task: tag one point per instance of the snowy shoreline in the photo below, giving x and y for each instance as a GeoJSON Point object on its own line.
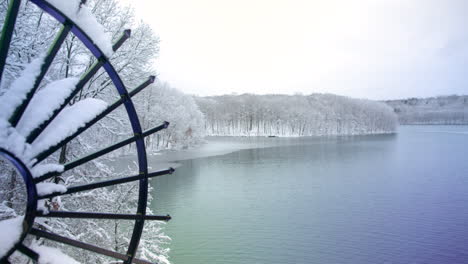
{"type": "Point", "coordinates": [223, 145]}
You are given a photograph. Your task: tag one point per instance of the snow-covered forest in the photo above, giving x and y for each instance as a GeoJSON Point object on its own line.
{"type": "Point", "coordinates": [441, 110]}
{"type": "Point", "coordinates": [294, 115]}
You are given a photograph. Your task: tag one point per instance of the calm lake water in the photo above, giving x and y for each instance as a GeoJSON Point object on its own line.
{"type": "Point", "coordinates": [399, 198]}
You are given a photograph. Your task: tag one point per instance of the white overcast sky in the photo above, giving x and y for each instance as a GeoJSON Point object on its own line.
{"type": "Point", "coordinates": [377, 49]}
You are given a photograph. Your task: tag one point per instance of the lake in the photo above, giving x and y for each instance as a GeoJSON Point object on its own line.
{"type": "Point", "coordinates": [400, 198]}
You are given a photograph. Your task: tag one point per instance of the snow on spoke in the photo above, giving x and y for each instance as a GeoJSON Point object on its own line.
{"type": "Point", "coordinates": [10, 232]}
{"type": "Point", "coordinates": [20, 88]}
{"type": "Point", "coordinates": [44, 103]}
{"type": "Point", "coordinates": [48, 255]}
{"type": "Point", "coordinates": [41, 169]}
{"type": "Point", "coordinates": [45, 188]}
{"type": "Point", "coordinates": [67, 122]}
{"type": "Point", "coordinates": [12, 141]}
{"type": "Point", "coordinates": [83, 17]}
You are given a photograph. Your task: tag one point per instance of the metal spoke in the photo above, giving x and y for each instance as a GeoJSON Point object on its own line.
{"type": "Point", "coordinates": [125, 35]}
{"type": "Point", "coordinates": [66, 214]}
{"type": "Point", "coordinates": [28, 252]}
{"type": "Point", "coordinates": [7, 32]}
{"type": "Point", "coordinates": [91, 186]}
{"type": "Point", "coordinates": [118, 145]}
{"type": "Point", "coordinates": [86, 246]}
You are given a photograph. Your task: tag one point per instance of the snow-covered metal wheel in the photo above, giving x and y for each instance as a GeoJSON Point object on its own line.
{"type": "Point", "coordinates": [26, 142]}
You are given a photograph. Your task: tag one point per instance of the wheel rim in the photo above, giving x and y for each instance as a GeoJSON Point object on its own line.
{"type": "Point", "coordinates": [102, 61]}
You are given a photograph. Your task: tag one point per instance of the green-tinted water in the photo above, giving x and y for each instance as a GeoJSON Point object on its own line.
{"type": "Point", "coordinates": [366, 199]}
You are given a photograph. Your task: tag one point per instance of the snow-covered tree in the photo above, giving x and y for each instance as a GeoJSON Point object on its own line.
{"type": "Point", "coordinates": [162, 102]}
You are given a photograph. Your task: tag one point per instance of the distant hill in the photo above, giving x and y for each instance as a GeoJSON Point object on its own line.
{"type": "Point", "coordinates": [441, 110]}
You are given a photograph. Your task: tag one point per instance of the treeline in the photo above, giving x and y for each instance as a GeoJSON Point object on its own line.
{"type": "Point", "coordinates": [441, 110]}
{"type": "Point", "coordinates": [164, 103]}
{"type": "Point", "coordinates": [294, 115]}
